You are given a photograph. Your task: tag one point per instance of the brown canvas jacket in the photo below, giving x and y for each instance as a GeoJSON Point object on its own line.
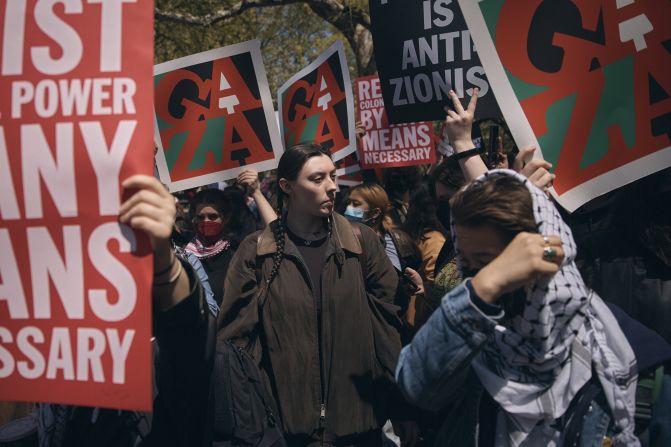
{"type": "Point", "coordinates": [345, 394]}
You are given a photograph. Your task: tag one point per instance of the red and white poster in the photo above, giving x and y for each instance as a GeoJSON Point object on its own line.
{"type": "Point", "coordinates": [316, 105]}
{"type": "Point", "coordinates": [214, 117]}
{"type": "Point", "coordinates": [387, 145]}
{"type": "Point", "coordinates": [586, 82]}
{"type": "Point", "coordinates": [75, 121]}
{"type": "Point", "coordinates": [348, 171]}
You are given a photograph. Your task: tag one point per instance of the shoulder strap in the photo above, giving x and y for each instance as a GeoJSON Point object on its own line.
{"type": "Point", "coordinates": [363, 261]}
{"type": "Point", "coordinates": [264, 285]}
{"type": "Point", "coordinates": [262, 295]}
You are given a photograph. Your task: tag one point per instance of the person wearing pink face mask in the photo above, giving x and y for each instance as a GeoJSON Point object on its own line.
{"type": "Point", "coordinates": [221, 219]}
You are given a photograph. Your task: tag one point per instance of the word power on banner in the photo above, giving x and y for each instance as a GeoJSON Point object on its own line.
{"type": "Point", "coordinates": [214, 117]}
{"type": "Point", "coordinates": [389, 146]}
{"type": "Point", "coordinates": [589, 83]}
{"type": "Point", "coordinates": [316, 105]}
{"type": "Point", "coordinates": [423, 49]}
{"type": "Point", "coordinates": [75, 121]}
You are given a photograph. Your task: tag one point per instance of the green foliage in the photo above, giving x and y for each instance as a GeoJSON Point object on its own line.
{"type": "Point", "coordinates": [291, 35]}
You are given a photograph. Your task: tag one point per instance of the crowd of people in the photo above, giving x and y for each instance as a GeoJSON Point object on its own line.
{"type": "Point", "coordinates": [449, 306]}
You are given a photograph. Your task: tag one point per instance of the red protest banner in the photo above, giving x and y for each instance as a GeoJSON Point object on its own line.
{"type": "Point", "coordinates": [76, 119]}
{"type": "Point", "coordinates": [385, 145]}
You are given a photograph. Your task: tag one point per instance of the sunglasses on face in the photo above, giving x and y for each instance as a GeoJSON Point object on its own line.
{"type": "Point", "coordinates": [210, 216]}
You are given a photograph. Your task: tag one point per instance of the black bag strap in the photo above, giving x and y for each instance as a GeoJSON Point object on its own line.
{"type": "Point", "coordinates": [262, 296]}
{"type": "Point", "coordinates": [577, 411]}
{"type": "Point", "coordinates": [247, 362]}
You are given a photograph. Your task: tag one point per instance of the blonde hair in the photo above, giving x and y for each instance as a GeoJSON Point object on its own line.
{"type": "Point", "coordinates": [376, 197]}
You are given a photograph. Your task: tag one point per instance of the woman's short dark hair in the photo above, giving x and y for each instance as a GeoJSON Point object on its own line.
{"type": "Point", "coordinates": [422, 216]}
{"type": "Point", "coordinates": [500, 201]}
{"type": "Point", "coordinates": [449, 173]}
{"type": "Point", "coordinates": [210, 197]}
{"type": "Point", "coordinates": [398, 181]}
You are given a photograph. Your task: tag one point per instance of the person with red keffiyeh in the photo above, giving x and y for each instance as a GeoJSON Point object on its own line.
{"type": "Point", "coordinates": [221, 219]}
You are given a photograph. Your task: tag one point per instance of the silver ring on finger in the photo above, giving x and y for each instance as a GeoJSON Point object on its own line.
{"type": "Point", "coordinates": [546, 240]}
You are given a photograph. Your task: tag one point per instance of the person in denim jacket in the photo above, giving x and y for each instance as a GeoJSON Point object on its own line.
{"type": "Point", "coordinates": [514, 347]}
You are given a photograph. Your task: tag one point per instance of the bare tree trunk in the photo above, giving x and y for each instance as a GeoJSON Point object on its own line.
{"type": "Point", "coordinates": [365, 56]}
{"type": "Point", "coordinates": [354, 24]}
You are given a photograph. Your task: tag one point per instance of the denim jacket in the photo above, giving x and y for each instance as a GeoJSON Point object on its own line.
{"type": "Point", "coordinates": [434, 372]}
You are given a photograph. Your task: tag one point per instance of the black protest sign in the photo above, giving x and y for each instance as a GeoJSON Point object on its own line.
{"type": "Point", "coordinates": [423, 49]}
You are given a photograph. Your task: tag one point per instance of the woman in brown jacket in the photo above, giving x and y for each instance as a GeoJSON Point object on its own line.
{"type": "Point", "coordinates": [326, 331]}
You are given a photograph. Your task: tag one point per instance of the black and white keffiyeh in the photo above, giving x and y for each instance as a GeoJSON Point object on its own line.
{"type": "Point", "coordinates": [535, 365]}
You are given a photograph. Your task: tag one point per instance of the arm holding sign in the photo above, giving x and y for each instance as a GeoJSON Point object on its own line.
{"type": "Point", "coordinates": [152, 210]}
{"type": "Point", "coordinates": [250, 178]}
{"type": "Point", "coordinates": [535, 169]}
{"type": "Point", "coordinates": [458, 125]}
{"type": "Point", "coordinates": [184, 325]}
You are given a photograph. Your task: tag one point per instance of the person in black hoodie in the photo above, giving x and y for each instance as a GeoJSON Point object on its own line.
{"type": "Point", "coordinates": [222, 220]}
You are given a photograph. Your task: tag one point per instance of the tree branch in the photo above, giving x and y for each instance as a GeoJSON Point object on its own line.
{"type": "Point", "coordinates": [352, 22]}
{"type": "Point", "coordinates": [333, 11]}
{"type": "Point", "coordinates": [218, 15]}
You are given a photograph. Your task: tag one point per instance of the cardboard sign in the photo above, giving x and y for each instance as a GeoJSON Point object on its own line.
{"type": "Point", "coordinates": [348, 171]}
{"type": "Point", "coordinates": [423, 49]}
{"type": "Point", "coordinates": [348, 165]}
{"type": "Point", "coordinates": [350, 180]}
{"type": "Point", "coordinates": [389, 146]}
{"type": "Point", "coordinates": [214, 117]}
{"type": "Point", "coordinates": [316, 105]}
{"type": "Point", "coordinates": [587, 82]}
{"type": "Point", "coordinates": [75, 121]}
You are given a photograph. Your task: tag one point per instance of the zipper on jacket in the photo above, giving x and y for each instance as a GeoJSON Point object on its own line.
{"type": "Point", "coordinates": [322, 375]}
{"type": "Point", "coordinates": [320, 357]}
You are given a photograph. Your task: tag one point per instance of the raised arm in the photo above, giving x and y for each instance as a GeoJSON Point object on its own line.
{"type": "Point", "coordinates": [250, 178]}
{"type": "Point", "coordinates": [152, 209]}
{"type": "Point", "coordinates": [458, 125]}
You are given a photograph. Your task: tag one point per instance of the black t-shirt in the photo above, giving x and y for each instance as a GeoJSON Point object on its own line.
{"type": "Point", "coordinates": [314, 255]}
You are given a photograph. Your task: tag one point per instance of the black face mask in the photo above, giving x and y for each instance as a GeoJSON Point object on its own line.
{"type": "Point", "coordinates": [443, 212]}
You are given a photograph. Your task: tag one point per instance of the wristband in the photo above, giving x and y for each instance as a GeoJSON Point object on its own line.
{"type": "Point", "coordinates": [466, 154]}
{"type": "Point", "coordinates": [172, 279]}
{"type": "Point", "coordinates": [168, 268]}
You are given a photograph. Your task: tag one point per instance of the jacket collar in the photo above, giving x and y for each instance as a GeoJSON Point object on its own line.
{"type": "Point", "coordinates": [343, 236]}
